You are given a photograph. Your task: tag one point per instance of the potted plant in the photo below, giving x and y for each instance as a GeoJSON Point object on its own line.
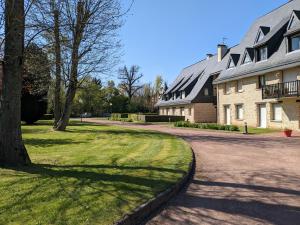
{"type": "Point", "coordinates": [287, 132]}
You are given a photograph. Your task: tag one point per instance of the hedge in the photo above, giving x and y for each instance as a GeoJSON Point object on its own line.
{"type": "Point", "coordinates": [211, 126]}
{"type": "Point", "coordinates": [160, 118]}
{"type": "Point", "coordinates": [118, 116]}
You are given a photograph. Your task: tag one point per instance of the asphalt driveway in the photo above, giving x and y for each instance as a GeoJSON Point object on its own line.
{"type": "Point", "coordinates": [239, 180]}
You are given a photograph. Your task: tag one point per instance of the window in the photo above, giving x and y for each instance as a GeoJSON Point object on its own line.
{"type": "Point", "coordinates": [168, 111]}
{"type": "Point", "coordinates": [261, 81]}
{"type": "Point", "coordinates": [183, 94]}
{"type": "Point", "coordinates": [277, 112]}
{"type": "Point", "coordinates": [206, 92]}
{"type": "Point", "coordinates": [239, 112]}
{"type": "Point", "coordinates": [174, 111]}
{"type": "Point", "coordinates": [295, 43]}
{"type": "Point", "coordinates": [227, 88]}
{"type": "Point", "coordinates": [239, 86]}
{"type": "Point", "coordinates": [182, 111]}
{"type": "Point", "coordinates": [262, 54]}
{"type": "Point", "coordinates": [259, 36]}
{"type": "Point", "coordinates": [190, 111]}
{"type": "Point", "coordinates": [231, 64]}
{"type": "Point", "coordinates": [247, 58]}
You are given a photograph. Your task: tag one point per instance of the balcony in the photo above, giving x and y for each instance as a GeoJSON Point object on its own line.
{"type": "Point", "coordinates": [281, 90]}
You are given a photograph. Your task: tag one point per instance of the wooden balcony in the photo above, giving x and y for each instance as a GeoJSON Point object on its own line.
{"type": "Point", "coordinates": [281, 90]}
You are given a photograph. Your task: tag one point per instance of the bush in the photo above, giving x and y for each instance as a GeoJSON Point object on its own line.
{"type": "Point", "coordinates": [33, 107]}
{"type": "Point", "coordinates": [211, 126]}
{"type": "Point", "coordinates": [119, 116]}
{"type": "Point", "coordinates": [160, 118]}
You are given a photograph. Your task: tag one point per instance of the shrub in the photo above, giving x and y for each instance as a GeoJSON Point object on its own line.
{"type": "Point", "coordinates": [160, 118]}
{"type": "Point", "coordinates": [211, 126]}
{"type": "Point", "coordinates": [118, 116]}
{"type": "Point", "coordinates": [33, 107]}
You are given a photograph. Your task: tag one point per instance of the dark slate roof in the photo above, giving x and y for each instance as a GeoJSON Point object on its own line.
{"type": "Point", "coordinates": [278, 60]}
{"type": "Point", "coordinates": [201, 71]}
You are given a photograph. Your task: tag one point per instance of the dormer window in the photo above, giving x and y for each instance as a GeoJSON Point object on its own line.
{"type": "Point", "coordinates": [259, 36]}
{"type": "Point", "coordinates": [182, 94]}
{"type": "Point", "coordinates": [262, 32]}
{"type": "Point", "coordinates": [294, 43]}
{"type": "Point", "coordinates": [247, 58]}
{"type": "Point", "coordinates": [262, 54]}
{"type": "Point", "coordinates": [233, 60]}
{"type": "Point", "coordinates": [230, 64]}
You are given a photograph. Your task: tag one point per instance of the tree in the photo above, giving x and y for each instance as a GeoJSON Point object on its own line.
{"type": "Point", "coordinates": [44, 23]}
{"type": "Point", "coordinates": [90, 28]}
{"type": "Point", "coordinates": [130, 80]}
{"type": "Point", "coordinates": [36, 81]}
{"type": "Point", "coordinates": [12, 149]}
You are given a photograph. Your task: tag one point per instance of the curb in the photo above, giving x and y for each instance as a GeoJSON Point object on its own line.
{"type": "Point", "coordinates": [139, 215]}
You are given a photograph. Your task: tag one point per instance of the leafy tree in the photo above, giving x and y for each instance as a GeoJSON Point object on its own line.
{"type": "Point", "coordinates": [35, 84]}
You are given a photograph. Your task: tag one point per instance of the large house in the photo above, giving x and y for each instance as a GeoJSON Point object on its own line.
{"type": "Point", "coordinates": [257, 81]}
{"type": "Point", "coordinates": [192, 94]}
{"type": "Point", "coordinates": [261, 82]}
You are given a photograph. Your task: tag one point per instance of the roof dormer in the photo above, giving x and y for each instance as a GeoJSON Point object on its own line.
{"type": "Point", "coordinates": [262, 32]}
{"type": "Point", "coordinates": [248, 56]}
{"type": "Point", "coordinates": [294, 20]}
{"type": "Point", "coordinates": [233, 60]}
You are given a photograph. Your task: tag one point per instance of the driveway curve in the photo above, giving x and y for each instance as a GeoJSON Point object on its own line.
{"type": "Point", "coordinates": [239, 180]}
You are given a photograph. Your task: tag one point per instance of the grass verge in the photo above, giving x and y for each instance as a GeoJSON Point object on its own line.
{"type": "Point", "coordinates": [89, 174]}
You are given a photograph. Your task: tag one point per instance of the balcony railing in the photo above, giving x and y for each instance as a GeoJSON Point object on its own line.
{"type": "Point", "coordinates": [280, 90]}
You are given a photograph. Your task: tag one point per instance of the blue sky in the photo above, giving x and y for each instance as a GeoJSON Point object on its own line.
{"type": "Point", "coordinates": [164, 36]}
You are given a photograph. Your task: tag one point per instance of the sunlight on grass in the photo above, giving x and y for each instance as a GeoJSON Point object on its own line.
{"type": "Point", "coordinates": [90, 174]}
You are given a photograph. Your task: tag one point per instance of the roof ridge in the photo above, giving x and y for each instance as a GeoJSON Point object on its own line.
{"type": "Point", "coordinates": [289, 1]}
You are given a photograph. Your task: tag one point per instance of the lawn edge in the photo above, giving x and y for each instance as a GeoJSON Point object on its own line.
{"type": "Point", "coordinates": [148, 209]}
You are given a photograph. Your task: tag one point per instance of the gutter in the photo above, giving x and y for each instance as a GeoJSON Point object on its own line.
{"type": "Point", "coordinates": [258, 72]}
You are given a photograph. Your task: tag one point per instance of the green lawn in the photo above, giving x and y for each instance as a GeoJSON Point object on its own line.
{"type": "Point", "coordinates": [90, 174]}
{"type": "Point", "coordinates": [255, 130]}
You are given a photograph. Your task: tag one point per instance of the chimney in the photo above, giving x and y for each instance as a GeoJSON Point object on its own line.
{"type": "Point", "coordinates": [222, 50]}
{"type": "Point", "coordinates": [208, 56]}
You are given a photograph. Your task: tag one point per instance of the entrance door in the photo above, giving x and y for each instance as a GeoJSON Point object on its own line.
{"type": "Point", "coordinates": [227, 115]}
{"type": "Point", "coordinates": [262, 116]}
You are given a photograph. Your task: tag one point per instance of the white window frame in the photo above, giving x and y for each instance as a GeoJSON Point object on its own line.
{"type": "Point", "coordinates": [239, 108]}
{"type": "Point", "coordinates": [259, 54]}
{"type": "Point", "coordinates": [277, 117]}
{"type": "Point", "coordinates": [239, 86]}
{"type": "Point", "coordinates": [227, 88]}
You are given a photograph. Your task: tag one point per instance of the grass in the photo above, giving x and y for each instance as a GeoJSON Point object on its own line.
{"type": "Point", "coordinates": [90, 174]}
{"type": "Point", "coordinates": [255, 130]}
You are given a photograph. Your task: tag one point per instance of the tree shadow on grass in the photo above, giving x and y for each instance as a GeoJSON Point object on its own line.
{"type": "Point", "coordinates": [84, 187]}
{"type": "Point", "coordinates": [38, 142]}
{"type": "Point", "coordinates": [95, 173]}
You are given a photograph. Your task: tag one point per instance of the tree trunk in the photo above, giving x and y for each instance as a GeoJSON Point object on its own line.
{"type": "Point", "coordinates": [65, 117]}
{"type": "Point", "coordinates": [77, 38]}
{"type": "Point", "coordinates": [12, 149]}
{"type": "Point", "coordinates": [57, 99]}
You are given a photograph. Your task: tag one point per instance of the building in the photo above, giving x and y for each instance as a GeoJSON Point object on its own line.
{"type": "Point", "coordinates": [192, 94]}
{"type": "Point", "coordinates": [261, 82]}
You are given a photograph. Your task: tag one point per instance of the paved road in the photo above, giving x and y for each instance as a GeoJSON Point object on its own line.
{"type": "Point", "coordinates": [239, 180]}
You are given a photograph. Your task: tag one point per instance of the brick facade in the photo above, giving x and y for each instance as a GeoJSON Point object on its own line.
{"type": "Point", "coordinates": [250, 97]}
{"type": "Point", "coordinates": [195, 113]}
